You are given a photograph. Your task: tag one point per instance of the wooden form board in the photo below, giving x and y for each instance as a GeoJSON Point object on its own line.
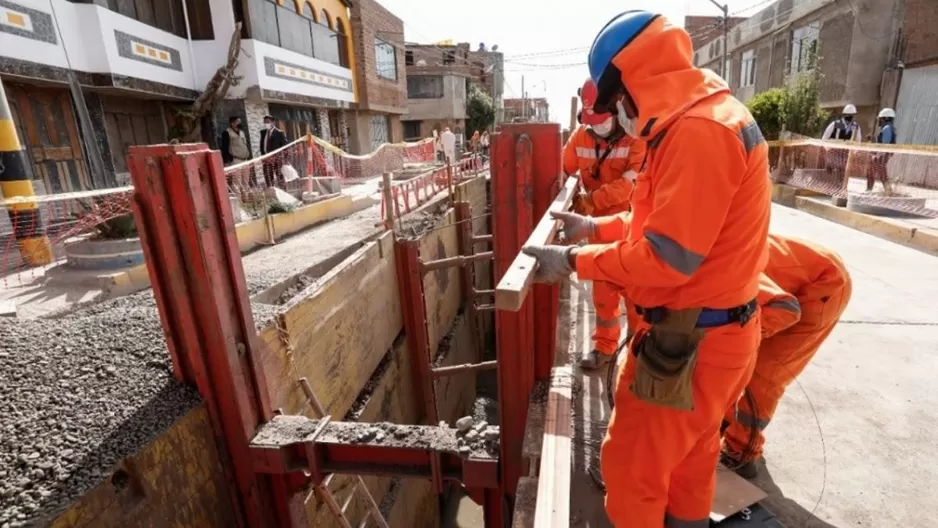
{"type": "Point", "coordinates": [553, 501]}
{"type": "Point", "coordinates": [455, 394]}
{"type": "Point", "coordinates": [441, 287]}
{"type": "Point", "coordinates": [392, 400]}
{"type": "Point", "coordinates": [513, 288]}
{"type": "Point", "coordinates": [181, 482]}
{"type": "Point", "coordinates": [336, 334]}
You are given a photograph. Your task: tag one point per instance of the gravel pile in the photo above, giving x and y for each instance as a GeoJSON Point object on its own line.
{"type": "Point", "coordinates": [78, 394]}
{"type": "Point", "coordinates": [476, 438]}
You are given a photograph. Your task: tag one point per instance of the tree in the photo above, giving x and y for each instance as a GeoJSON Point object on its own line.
{"type": "Point", "coordinates": [480, 111]}
{"type": "Point", "coordinates": [802, 110]}
{"type": "Point", "coordinates": [768, 110]}
{"type": "Point", "coordinates": [795, 108]}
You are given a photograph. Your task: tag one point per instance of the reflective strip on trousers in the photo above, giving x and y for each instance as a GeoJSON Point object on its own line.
{"type": "Point", "coordinates": [607, 323]}
{"type": "Point", "coordinates": [750, 421]}
{"type": "Point", "coordinates": [673, 522]}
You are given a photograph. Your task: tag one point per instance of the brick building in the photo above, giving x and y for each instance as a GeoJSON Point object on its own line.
{"type": "Point", "coordinates": [381, 78]}
{"type": "Point", "coordinates": [531, 109]}
{"type": "Point", "coordinates": [911, 86]}
{"type": "Point", "coordinates": [439, 77]}
{"type": "Point", "coordinates": [789, 37]}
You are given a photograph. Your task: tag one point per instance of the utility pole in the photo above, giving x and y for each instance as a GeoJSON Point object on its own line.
{"type": "Point", "coordinates": [16, 181]}
{"type": "Point", "coordinates": [726, 41]}
{"type": "Point", "coordinates": [524, 109]}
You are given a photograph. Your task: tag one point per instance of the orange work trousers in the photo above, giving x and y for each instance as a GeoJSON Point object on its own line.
{"type": "Point", "coordinates": [781, 359]}
{"type": "Point", "coordinates": [659, 464]}
{"type": "Point", "coordinates": [606, 301]}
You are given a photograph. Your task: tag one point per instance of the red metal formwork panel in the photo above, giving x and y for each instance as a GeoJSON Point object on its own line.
{"type": "Point", "coordinates": [512, 222]}
{"type": "Point", "coordinates": [187, 232]}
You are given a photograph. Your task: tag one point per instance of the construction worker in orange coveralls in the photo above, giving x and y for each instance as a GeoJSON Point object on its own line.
{"type": "Point", "coordinates": [695, 248]}
{"type": "Point", "coordinates": [804, 291]}
{"type": "Point", "coordinates": [608, 161]}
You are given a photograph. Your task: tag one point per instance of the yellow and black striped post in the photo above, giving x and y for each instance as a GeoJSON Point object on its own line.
{"type": "Point", "coordinates": [16, 182]}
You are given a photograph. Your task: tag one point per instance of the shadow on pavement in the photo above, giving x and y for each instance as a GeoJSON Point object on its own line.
{"type": "Point", "coordinates": [789, 512]}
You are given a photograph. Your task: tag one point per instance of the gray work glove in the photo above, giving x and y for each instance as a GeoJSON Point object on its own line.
{"type": "Point", "coordinates": [553, 262]}
{"type": "Point", "coordinates": [575, 227]}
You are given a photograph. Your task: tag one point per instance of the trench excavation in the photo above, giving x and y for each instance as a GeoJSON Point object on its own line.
{"type": "Point", "coordinates": [89, 397]}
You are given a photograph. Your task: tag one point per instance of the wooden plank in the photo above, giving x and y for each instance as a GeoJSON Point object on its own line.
{"type": "Point", "coordinates": [553, 501]}
{"type": "Point", "coordinates": [525, 498]}
{"type": "Point", "coordinates": [391, 400]}
{"type": "Point", "coordinates": [416, 505]}
{"type": "Point", "coordinates": [441, 287]}
{"type": "Point", "coordinates": [337, 334]}
{"type": "Point", "coordinates": [513, 288]}
{"type": "Point", "coordinates": [176, 479]}
{"type": "Point", "coordinates": [455, 394]}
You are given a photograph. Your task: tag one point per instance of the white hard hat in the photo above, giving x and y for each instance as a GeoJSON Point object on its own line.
{"type": "Point", "coordinates": [887, 112]}
{"type": "Point", "coordinates": [850, 110]}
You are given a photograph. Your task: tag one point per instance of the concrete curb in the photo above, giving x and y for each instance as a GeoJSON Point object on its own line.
{"type": "Point", "coordinates": [897, 231]}
{"type": "Point", "coordinates": [250, 235]}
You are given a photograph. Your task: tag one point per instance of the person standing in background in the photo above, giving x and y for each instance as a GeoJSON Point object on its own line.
{"type": "Point", "coordinates": [234, 143]}
{"type": "Point", "coordinates": [448, 139]}
{"type": "Point", "coordinates": [272, 138]}
{"type": "Point", "coordinates": [879, 160]}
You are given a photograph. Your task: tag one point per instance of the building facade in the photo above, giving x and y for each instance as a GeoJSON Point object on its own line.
{"type": "Point", "coordinates": [531, 109]}
{"type": "Point", "coordinates": [381, 78]}
{"type": "Point", "coordinates": [911, 86]}
{"type": "Point", "coordinates": [851, 43]}
{"type": "Point", "coordinates": [136, 64]}
{"type": "Point", "coordinates": [438, 78]}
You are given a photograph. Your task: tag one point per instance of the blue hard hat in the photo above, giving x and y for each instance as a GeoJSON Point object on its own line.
{"type": "Point", "coordinates": [614, 36]}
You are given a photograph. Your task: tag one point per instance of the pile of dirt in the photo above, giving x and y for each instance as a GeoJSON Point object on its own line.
{"type": "Point", "coordinates": [80, 393]}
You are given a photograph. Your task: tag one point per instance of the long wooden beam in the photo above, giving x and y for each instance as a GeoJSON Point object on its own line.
{"type": "Point", "coordinates": [513, 288]}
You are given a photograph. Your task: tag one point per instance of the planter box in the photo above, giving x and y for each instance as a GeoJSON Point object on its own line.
{"type": "Point", "coordinates": [100, 254]}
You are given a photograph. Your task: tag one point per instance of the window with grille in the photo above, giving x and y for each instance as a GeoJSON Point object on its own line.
{"type": "Point", "coordinates": [747, 73]}
{"type": "Point", "coordinates": [385, 60]}
{"type": "Point", "coordinates": [424, 86]}
{"type": "Point", "coordinates": [804, 47]}
{"type": "Point", "coordinates": [411, 130]}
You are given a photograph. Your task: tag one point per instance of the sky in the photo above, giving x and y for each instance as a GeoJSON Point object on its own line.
{"type": "Point", "coordinates": [526, 30]}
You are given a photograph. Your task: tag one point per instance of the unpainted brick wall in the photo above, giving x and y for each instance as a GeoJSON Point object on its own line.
{"type": "Point", "coordinates": [369, 20]}
{"type": "Point", "coordinates": [920, 27]}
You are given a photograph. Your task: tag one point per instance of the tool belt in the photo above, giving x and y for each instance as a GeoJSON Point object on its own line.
{"type": "Point", "coordinates": [667, 353]}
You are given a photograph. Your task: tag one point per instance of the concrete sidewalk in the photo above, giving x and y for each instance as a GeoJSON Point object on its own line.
{"type": "Point", "coordinates": [851, 444]}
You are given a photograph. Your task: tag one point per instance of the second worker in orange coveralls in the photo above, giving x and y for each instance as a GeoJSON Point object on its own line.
{"type": "Point", "coordinates": [805, 289]}
{"type": "Point", "coordinates": [608, 161]}
{"type": "Point", "coordinates": [695, 248]}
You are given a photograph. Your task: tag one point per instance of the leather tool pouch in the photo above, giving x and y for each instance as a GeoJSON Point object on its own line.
{"type": "Point", "coordinates": [667, 356]}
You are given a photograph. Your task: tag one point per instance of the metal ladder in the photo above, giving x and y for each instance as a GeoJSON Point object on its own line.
{"type": "Point", "coordinates": [358, 484]}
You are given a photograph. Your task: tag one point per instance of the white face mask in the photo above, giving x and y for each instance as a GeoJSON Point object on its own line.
{"type": "Point", "coordinates": [628, 125]}
{"type": "Point", "coordinates": [603, 129]}
{"type": "Point", "coordinates": [269, 125]}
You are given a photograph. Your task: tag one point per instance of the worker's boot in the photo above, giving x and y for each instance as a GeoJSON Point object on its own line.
{"type": "Point", "coordinates": [748, 470]}
{"type": "Point", "coordinates": [596, 360]}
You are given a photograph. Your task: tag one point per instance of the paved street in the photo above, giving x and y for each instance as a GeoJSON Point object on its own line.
{"type": "Point", "coordinates": [852, 442]}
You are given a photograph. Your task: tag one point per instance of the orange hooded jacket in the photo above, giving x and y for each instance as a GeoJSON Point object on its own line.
{"type": "Point", "coordinates": [700, 211]}
{"type": "Point", "coordinates": [608, 184]}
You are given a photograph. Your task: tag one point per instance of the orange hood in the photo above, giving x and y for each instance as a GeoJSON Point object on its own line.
{"type": "Point", "coordinates": [657, 70]}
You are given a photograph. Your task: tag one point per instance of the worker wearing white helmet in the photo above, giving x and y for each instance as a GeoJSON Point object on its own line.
{"type": "Point", "coordinates": [887, 131]}
{"type": "Point", "coordinates": [879, 161]}
{"type": "Point", "coordinates": [845, 128]}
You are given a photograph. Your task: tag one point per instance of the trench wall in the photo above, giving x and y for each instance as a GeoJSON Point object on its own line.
{"type": "Point", "coordinates": [345, 334]}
